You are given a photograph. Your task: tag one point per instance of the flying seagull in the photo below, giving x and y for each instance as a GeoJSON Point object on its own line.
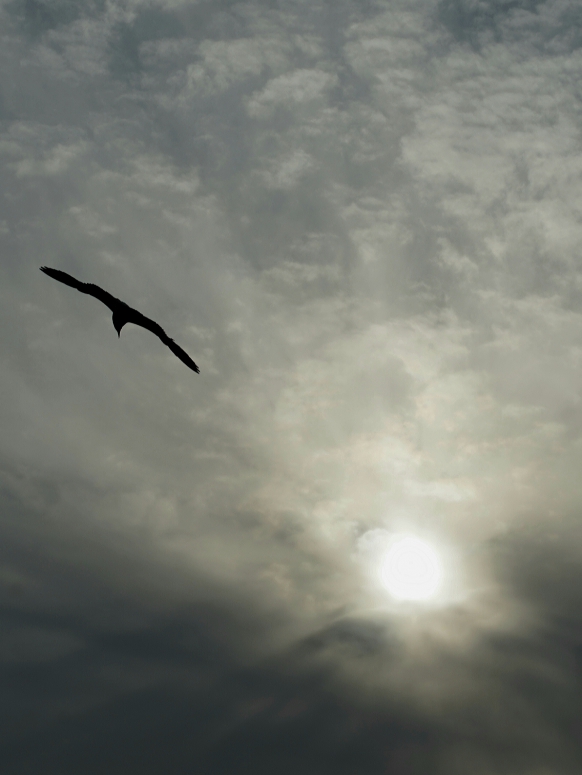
{"type": "Point", "coordinates": [122, 313]}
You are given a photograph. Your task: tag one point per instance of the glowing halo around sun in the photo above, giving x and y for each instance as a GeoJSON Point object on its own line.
{"type": "Point", "coordinates": [411, 570]}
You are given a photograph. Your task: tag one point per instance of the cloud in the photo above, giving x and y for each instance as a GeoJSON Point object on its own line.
{"type": "Point", "coordinates": [224, 63]}
{"type": "Point", "coordinates": [290, 90]}
{"type": "Point", "coordinates": [363, 222]}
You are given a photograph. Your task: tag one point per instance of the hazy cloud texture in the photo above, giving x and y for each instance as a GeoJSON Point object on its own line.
{"type": "Point", "coordinates": [363, 220]}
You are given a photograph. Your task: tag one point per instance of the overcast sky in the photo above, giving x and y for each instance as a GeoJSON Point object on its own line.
{"type": "Point", "coordinates": [363, 220]}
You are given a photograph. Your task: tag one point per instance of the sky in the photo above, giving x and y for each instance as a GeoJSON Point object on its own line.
{"type": "Point", "coordinates": [362, 219]}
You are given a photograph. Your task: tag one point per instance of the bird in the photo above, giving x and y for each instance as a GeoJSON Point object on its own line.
{"type": "Point", "coordinates": [122, 313]}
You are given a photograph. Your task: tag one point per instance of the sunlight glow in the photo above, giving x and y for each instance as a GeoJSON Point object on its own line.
{"type": "Point", "coordinates": [411, 569]}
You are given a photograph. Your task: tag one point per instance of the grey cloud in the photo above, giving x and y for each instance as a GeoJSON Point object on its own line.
{"type": "Point", "coordinates": [366, 231]}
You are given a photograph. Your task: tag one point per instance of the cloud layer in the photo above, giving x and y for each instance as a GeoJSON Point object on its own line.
{"type": "Point", "coordinates": [362, 220]}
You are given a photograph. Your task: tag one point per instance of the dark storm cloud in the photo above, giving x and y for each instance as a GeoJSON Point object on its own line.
{"type": "Point", "coordinates": [171, 696]}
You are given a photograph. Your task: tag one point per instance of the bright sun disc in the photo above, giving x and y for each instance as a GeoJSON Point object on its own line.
{"type": "Point", "coordinates": [411, 570]}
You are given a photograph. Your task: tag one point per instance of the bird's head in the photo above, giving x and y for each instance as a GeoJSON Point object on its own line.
{"type": "Point", "coordinates": [118, 323]}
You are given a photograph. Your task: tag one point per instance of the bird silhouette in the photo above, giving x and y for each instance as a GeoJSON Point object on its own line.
{"type": "Point", "coordinates": [122, 313]}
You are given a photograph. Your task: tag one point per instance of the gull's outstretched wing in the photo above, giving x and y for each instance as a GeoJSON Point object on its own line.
{"type": "Point", "coordinates": [93, 290]}
{"type": "Point", "coordinates": [183, 356]}
{"type": "Point", "coordinates": [151, 325]}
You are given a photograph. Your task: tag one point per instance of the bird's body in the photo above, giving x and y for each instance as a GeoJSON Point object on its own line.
{"type": "Point", "coordinates": [122, 313]}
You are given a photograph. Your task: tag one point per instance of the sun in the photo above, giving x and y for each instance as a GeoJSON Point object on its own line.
{"type": "Point", "coordinates": [411, 570]}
